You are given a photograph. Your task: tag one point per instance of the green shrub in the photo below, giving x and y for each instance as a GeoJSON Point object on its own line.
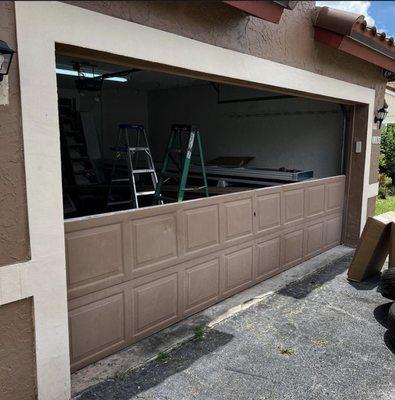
{"type": "Point", "coordinates": [387, 156]}
{"type": "Point", "coordinates": [385, 186]}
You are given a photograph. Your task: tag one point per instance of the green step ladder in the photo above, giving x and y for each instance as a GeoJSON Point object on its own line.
{"type": "Point", "coordinates": [179, 151]}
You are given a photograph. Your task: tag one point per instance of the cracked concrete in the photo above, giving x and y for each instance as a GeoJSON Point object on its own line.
{"type": "Point", "coordinates": [320, 337]}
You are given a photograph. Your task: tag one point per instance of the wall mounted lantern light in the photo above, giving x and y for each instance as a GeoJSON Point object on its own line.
{"type": "Point", "coordinates": [5, 58]}
{"type": "Point", "coordinates": [381, 114]}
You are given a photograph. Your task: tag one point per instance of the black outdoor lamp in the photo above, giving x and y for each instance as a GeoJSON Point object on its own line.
{"type": "Point", "coordinates": [5, 58]}
{"type": "Point", "coordinates": [381, 114]}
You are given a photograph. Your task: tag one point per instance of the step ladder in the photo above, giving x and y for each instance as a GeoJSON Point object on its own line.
{"type": "Point", "coordinates": [135, 144]}
{"type": "Point", "coordinates": [180, 149]}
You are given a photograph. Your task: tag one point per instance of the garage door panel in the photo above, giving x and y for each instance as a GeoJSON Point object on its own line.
{"type": "Point", "coordinates": [202, 228]}
{"type": "Point", "coordinates": [268, 258]}
{"type": "Point", "coordinates": [293, 206]}
{"type": "Point", "coordinates": [314, 239]}
{"type": "Point", "coordinates": [237, 219]}
{"type": "Point", "coordinates": [238, 269]}
{"type": "Point", "coordinates": [269, 211]}
{"type": "Point", "coordinates": [315, 200]}
{"type": "Point", "coordinates": [97, 327]}
{"type": "Point", "coordinates": [334, 195]}
{"type": "Point", "coordinates": [292, 248]}
{"type": "Point", "coordinates": [333, 227]}
{"type": "Point", "coordinates": [155, 304]}
{"type": "Point", "coordinates": [154, 240]}
{"type": "Point", "coordinates": [202, 285]}
{"type": "Point", "coordinates": [94, 254]}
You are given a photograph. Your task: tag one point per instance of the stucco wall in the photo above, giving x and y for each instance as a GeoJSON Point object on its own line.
{"type": "Point", "coordinates": [390, 99]}
{"type": "Point", "coordinates": [290, 42]}
{"type": "Point", "coordinates": [14, 237]}
{"type": "Point", "coordinates": [17, 366]}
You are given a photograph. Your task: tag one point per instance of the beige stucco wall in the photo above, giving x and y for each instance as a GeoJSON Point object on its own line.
{"type": "Point", "coordinates": [14, 237]}
{"type": "Point", "coordinates": [390, 99]}
{"type": "Point", "coordinates": [18, 364]}
{"type": "Point", "coordinates": [290, 42]}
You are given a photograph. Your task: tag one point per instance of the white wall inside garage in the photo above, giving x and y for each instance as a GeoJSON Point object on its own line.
{"type": "Point", "coordinates": [295, 133]}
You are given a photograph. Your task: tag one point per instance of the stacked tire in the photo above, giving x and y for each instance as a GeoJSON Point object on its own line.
{"type": "Point", "coordinates": [387, 289]}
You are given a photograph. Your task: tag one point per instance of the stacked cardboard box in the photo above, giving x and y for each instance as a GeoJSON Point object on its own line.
{"type": "Point", "coordinates": [376, 242]}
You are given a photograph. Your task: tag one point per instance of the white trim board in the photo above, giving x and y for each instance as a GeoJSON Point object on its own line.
{"type": "Point", "coordinates": [39, 26]}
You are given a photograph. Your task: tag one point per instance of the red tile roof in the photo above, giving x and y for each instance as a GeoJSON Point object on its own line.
{"type": "Point", "coordinates": [350, 32]}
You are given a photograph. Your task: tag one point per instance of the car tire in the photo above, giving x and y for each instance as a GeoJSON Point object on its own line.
{"type": "Point", "coordinates": [387, 284]}
{"type": "Point", "coordinates": [391, 322]}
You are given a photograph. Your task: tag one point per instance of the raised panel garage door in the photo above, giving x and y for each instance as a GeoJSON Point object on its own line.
{"type": "Point", "coordinates": [132, 273]}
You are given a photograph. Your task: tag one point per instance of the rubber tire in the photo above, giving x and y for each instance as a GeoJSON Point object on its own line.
{"type": "Point", "coordinates": [391, 322]}
{"type": "Point", "coordinates": [387, 284]}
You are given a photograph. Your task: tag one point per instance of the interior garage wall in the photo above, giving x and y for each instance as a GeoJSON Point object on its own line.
{"type": "Point", "coordinates": [294, 133]}
{"type": "Point", "coordinates": [114, 105]}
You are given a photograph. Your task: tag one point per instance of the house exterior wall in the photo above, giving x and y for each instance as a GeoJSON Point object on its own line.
{"type": "Point", "coordinates": [18, 364]}
{"type": "Point", "coordinates": [43, 277]}
{"type": "Point", "coordinates": [14, 235]}
{"type": "Point", "coordinates": [390, 99]}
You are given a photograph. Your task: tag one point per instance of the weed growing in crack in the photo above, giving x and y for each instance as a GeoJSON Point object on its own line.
{"type": "Point", "coordinates": [285, 351]}
{"type": "Point", "coordinates": [162, 356]}
{"type": "Point", "coordinates": [199, 333]}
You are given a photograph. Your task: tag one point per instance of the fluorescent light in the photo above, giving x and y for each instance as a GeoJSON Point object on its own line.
{"type": "Point", "coordinates": [70, 72]}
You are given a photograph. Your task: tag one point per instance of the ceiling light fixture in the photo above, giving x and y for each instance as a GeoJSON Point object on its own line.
{"type": "Point", "coordinates": [69, 72]}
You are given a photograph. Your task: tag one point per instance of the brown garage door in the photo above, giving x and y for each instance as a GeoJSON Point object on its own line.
{"type": "Point", "coordinates": [132, 273]}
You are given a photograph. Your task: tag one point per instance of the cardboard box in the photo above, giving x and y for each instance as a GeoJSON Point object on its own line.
{"type": "Point", "coordinates": [373, 247]}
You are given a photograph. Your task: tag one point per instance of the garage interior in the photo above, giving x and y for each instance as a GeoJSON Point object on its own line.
{"type": "Point", "coordinates": [249, 138]}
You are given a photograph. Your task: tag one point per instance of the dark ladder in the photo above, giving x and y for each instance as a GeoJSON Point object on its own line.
{"type": "Point", "coordinates": [182, 143]}
{"type": "Point", "coordinates": [131, 149]}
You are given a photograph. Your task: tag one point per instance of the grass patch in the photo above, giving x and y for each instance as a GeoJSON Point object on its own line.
{"type": "Point", "coordinates": [162, 356]}
{"type": "Point", "coordinates": [385, 205]}
{"type": "Point", "coordinates": [199, 333]}
{"type": "Point", "coordinates": [285, 351]}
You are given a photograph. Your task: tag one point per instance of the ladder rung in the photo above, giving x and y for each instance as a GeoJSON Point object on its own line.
{"type": "Point", "coordinates": [116, 203]}
{"type": "Point", "coordinates": [139, 148]}
{"type": "Point", "coordinates": [146, 193]}
{"type": "Point", "coordinates": [143, 171]}
{"type": "Point", "coordinates": [191, 189]}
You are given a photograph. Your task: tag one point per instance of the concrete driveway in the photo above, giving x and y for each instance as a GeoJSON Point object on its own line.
{"type": "Point", "coordinates": [320, 338]}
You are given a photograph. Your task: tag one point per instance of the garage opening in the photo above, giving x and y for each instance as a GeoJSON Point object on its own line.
{"type": "Point", "coordinates": [263, 191]}
{"type": "Point", "coordinates": [249, 138]}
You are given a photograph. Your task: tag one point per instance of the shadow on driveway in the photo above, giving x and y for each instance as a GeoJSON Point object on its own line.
{"type": "Point", "coordinates": [301, 289]}
{"type": "Point", "coordinates": [127, 385]}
